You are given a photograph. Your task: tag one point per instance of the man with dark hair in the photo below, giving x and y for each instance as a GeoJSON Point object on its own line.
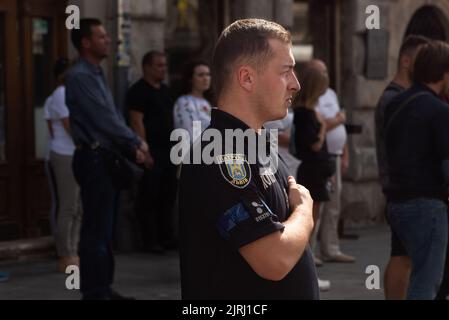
{"type": "Point", "coordinates": [417, 152]}
{"type": "Point", "coordinates": [85, 31]}
{"type": "Point", "coordinates": [99, 130]}
{"type": "Point", "coordinates": [150, 56]}
{"type": "Point", "coordinates": [150, 104]}
{"type": "Point", "coordinates": [247, 238]}
{"type": "Point", "coordinates": [397, 272]}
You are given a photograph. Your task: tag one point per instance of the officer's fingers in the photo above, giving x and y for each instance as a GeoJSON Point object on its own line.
{"type": "Point", "coordinates": [292, 183]}
{"type": "Point", "coordinates": [304, 191]}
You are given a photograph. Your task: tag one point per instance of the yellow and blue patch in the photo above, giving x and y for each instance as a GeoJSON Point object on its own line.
{"type": "Point", "coordinates": [235, 169]}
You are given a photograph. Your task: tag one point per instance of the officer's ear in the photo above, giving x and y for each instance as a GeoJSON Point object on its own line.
{"type": "Point", "coordinates": [245, 77]}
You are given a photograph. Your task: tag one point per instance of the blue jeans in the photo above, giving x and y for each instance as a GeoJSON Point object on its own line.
{"type": "Point", "coordinates": [422, 226]}
{"type": "Point", "coordinates": [99, 198]}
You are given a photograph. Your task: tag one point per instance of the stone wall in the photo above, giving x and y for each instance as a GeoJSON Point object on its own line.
{"type": "Point", "coordinates": [276, 10]}
{"type": "Point", "coordinates": [147, 31]}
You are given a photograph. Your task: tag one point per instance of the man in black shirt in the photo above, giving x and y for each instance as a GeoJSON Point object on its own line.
{"type": "Point", "coordinates": [416, 127]}
{"type": "Point", "coordinates": [151, 115]}
{"type": "Point", "coordinates": [244, 230]}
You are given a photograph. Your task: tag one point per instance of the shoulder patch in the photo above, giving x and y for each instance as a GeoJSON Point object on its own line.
{"type": "Point", "coordinates": [235, 169]}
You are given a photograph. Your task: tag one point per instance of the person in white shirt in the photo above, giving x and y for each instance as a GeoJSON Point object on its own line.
{"type": "Point", "coordinates": [62, 149]}
{"type": "Point", "coordinates": [336, 138]}
{"type": "Point", "coordinates": [193, 105]}
{"type": "Point", "coordinates": [284, 128]}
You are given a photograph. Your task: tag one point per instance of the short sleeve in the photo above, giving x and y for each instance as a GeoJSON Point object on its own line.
{"type": "Point", "coordinates": [58, 106]}
{"type": "Point", "coordinates": [245, 215]}
{"type": "Point", "coordinates": [47, 103]}
{"type": "Point", "coordinates": [247, 221]}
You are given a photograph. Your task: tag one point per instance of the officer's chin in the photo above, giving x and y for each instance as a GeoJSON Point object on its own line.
{"type": "Point", "coordinates": [280, 115]}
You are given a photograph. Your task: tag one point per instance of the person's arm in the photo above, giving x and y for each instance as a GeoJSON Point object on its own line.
{"type": "Point", "coordinates": [47, 116]}
{"type": "Point", "coordinates": [274, 256]}
{"type": "Point", "coordinates": [59, 109]}
{"type": "Point", "coordinates": [91, 103]}
{"type": "Point", "coordinates": [50, 128]}
{"type": "Point", "coordinates": [440, 130]}
{"type": "Point", "coordinates": [66, 125]}
{"type": "Point", "coordinates": [334, 122]}
{"type": "Point", "coordinates": [136, 122]}
{"type": "Point", "coordinates": [321, 135]}
{"type": "Point", "coordinates": [345, 158]}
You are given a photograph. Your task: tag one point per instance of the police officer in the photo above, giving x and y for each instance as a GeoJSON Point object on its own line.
{"type": "Point", "coordinates": [248, 237]}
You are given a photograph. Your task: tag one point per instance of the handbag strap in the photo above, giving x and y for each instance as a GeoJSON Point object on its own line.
{"type": "Point", "coordinates": [401, 107]}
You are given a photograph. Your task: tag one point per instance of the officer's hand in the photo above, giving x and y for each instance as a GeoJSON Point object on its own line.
{"type": "Point", "coordinates": [299, 198]}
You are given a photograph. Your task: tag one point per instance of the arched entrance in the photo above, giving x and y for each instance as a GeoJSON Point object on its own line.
{"type": "Point", "coordinates": [429, 21]}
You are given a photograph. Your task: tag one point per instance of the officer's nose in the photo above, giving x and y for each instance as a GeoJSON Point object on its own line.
{"type": "Point", "coordinates": [295, 85]}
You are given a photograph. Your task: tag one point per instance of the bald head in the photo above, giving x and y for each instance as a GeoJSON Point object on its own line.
{"type": "Point", "coordinates": [317, 65]}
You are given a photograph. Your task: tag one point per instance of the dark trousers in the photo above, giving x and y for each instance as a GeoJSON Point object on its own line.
{"type": "Point", "coordinates": [99, 199]}
{"type": "Point", "coordinates": [157, 195]}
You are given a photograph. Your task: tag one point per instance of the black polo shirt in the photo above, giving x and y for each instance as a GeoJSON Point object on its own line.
{"type": "Point", "coordinates": [224, 206]}
{"type": "Point", "coordinates": [157, 108]}
{"type": "Point", "coordinates": [417, 142]}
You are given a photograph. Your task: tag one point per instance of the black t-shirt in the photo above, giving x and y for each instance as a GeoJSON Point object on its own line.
{"type": "Point", "coordinates": [417, 142]}
{"type": "Point", "coordinates": [157, 108]}
{"type": "Point", "coordinates": [307, 129]}
{"type": "Point", "coordinates": [227, 205]}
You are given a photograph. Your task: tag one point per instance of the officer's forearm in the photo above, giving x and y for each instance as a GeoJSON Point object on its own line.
{"type": "Point", "coordinates": [274, 256]}
{"type": "Point", "coordinates": [295, 237]}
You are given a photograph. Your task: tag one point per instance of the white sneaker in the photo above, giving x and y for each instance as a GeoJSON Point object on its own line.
{"type": "Point", "coordinates": [324, 285]}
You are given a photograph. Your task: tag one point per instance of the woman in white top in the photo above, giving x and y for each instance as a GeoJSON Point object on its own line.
{"type": "Point", "coordinates": [194, 105]}
{"type": "Point", "coordinates": [62, 149]}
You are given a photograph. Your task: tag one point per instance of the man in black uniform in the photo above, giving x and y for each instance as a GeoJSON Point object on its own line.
{"type": "Point", "coordinates": [244, 231]}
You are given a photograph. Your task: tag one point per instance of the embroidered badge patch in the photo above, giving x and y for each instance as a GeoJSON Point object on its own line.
{"type": "Point", "coordinates": [235, 169]}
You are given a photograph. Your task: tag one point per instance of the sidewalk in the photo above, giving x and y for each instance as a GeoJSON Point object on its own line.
{"type": "Point", "coordinates": [157, 277]}
{"type": "Point", "coordinates": [348, 280]}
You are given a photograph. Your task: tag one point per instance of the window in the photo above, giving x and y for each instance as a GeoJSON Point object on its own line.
{"type": "Point", "coordinates": [42, 79]}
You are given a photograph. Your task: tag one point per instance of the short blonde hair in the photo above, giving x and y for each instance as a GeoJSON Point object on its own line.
{"type": "Point", "coordinates": [244, 40]}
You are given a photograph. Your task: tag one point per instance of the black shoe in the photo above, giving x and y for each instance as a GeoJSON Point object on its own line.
{"type": "Point", "coordinates": [117, 296]}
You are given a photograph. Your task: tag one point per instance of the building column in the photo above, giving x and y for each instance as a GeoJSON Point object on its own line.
{"type": "Point", "coordinates": [147, 31]}
{"type": "Point", "coordinates": [362, 198]}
